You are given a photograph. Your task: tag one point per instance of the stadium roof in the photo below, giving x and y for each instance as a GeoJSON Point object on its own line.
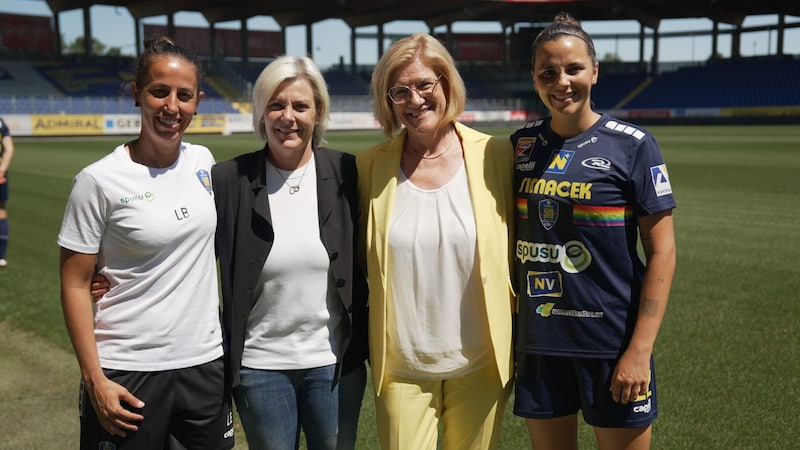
{"type": "Point", "coordinates": [359, 13]}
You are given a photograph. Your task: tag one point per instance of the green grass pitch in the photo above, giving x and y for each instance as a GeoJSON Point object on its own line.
{"type": "Point", "coordinates": [728, 355]}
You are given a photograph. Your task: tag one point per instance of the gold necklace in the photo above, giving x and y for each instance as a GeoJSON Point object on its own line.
{"type": "Point", "coordinates": [293, 188]}
{"type": "Point", "coordinates": [438, 155]}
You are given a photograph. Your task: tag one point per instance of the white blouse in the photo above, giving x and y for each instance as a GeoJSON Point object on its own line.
{"type": "Point", "coordinates": [437, 322]}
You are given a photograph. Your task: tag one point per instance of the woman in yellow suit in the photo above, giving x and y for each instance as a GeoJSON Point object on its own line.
{"type": "Point", "coordinates": [436, 205]}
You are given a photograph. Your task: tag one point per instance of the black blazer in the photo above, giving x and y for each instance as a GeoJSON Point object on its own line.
{"type": "Point", "coordinates": [245, 236]}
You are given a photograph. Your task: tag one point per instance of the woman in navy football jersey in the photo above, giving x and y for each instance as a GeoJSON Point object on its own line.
{"type": "Point", "coordinates": [6, 153]}
{"type": "Point", "coordinates": [588, 188]}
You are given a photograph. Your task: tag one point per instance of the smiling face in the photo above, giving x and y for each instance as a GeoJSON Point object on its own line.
{"type": "Point", "coordinates": [563, 75]}
{"type": "Point", "coordinates": [168, 98]}
{"type": "Point", "coordinates": [289, 120]}
{"type": "Point", "coordinates": [420, 114]}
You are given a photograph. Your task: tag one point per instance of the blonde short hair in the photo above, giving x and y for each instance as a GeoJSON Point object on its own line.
{"type": "Point", "coordinates": [429, 51]}
{"type": "Point", "coordinates": [283, 69]}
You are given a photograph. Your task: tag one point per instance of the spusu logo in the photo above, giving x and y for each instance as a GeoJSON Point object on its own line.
{"type": "Point", "coordinates": [573, 256]}
{"type": "Point", "coordinates": [147, 196]}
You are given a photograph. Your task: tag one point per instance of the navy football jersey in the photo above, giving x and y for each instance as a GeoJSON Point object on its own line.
{"type": "Point", "coordinates": [3, 133]}
{"type": "Point", "coordinates": [578, 270]}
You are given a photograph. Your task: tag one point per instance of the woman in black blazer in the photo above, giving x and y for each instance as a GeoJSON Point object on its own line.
{"type": "Point", "coordinates": [294, 300]}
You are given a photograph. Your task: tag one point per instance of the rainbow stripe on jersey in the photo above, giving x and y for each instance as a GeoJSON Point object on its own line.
{"type": "Point", "coordinates": [522, 208]}
{"type": "Point", "coordinates": [601, 216]}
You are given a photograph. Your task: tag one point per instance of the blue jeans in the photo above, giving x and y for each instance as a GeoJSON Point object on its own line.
{"type": "Point", "coordinates": [274, 404]}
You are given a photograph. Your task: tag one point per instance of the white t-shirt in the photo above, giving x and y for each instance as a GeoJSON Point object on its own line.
{"type": "Point", "coordinates": [294, 323]}
{"type": "Point", "coordinates": [437, 323]}
{"type": "Point", "coordinates": [153, 233]}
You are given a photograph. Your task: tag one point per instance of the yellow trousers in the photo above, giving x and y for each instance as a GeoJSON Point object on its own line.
{"type": "Point", "coordinates": [468, 408]}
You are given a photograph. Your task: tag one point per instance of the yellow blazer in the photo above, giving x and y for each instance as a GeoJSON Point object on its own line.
{"type": "Point", "coordinates": [489, 164]}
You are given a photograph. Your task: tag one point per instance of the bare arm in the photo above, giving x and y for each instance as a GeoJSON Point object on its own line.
{"type": "Point", "coordinates": [8, 154]}
{"type": "Point", "coordinates": [107, 397]}
{"type": "Point", "coordinates": [632, 375]}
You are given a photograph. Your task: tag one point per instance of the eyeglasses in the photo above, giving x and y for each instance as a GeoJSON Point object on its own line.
{"type": "Point", "coordinates": [423, 88]}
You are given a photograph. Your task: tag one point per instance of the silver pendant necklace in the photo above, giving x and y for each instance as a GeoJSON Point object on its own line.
{"type": "Point", "coordinates": [293, 188]}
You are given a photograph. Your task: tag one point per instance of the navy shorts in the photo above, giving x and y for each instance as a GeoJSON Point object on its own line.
{"type": "Point", "coordinates": [188, 406]}
{"type": "Point", "coordinates": [552, 386]}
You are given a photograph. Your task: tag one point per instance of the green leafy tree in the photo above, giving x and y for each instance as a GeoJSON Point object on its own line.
{"type": "Point", "coordinates": [78, 47]}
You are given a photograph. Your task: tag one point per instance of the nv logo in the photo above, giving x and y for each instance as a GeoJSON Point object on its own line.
{"type": "Point", "coordinates": [544, 284]}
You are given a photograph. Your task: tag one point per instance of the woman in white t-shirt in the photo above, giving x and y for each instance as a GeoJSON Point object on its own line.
{"type": "Point", "coordinates": [150, 352]}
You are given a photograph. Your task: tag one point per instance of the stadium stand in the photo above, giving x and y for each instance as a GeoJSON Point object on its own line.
{"type": "Point", "coordinates": [343, 82]}
{"type": "Point", "coordinates": [57, 87]}
{"type": "Point", "coordinates": [767, 81]}
{"type": "Point", "coordinates": [611, 89]}
{"type": "Point", "coordinates": [67, 86]}
{"type": "Point", "coordinates": [22, 79]}
{"type": "Point", "coordinates": [496, 72]}
{"type": "Point", "coordinates": [100, 78]}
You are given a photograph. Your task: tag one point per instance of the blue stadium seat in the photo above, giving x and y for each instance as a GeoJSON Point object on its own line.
{"type": "Point", "coordinates": [769, 81]}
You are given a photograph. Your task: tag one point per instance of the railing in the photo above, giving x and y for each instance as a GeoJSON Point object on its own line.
{"type": "Point", "coordinates": [12, 104]}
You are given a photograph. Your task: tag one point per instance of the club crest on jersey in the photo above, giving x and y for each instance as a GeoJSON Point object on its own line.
{"type": "Point", "coordinates": [524, 148]}
{"type": "Point", "coordinates": [661, 180]}
{"type": "Point", "coordinates": [560, 161]}
{"type": "Point", "coordinates": [548, 213]}
{"type": "Point", "coordinates": [205, 180]}
{"type": "Point", "coordinates": [106, 445]}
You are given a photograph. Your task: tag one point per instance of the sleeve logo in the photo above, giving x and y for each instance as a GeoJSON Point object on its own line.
{"type": "Point", "coordinates": [205, 179]}
{"type": "Point", "coordinates": [661, 180]}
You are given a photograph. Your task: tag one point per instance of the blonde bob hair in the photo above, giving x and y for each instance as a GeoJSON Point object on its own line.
{"type": "Point", "coordinates": [430, 52]}
{"type": "Point", "coordinates": [286, 68]}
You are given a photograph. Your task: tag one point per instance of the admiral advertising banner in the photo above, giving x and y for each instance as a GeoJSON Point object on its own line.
{"type": "Point", "coordinates": [67, 125]}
